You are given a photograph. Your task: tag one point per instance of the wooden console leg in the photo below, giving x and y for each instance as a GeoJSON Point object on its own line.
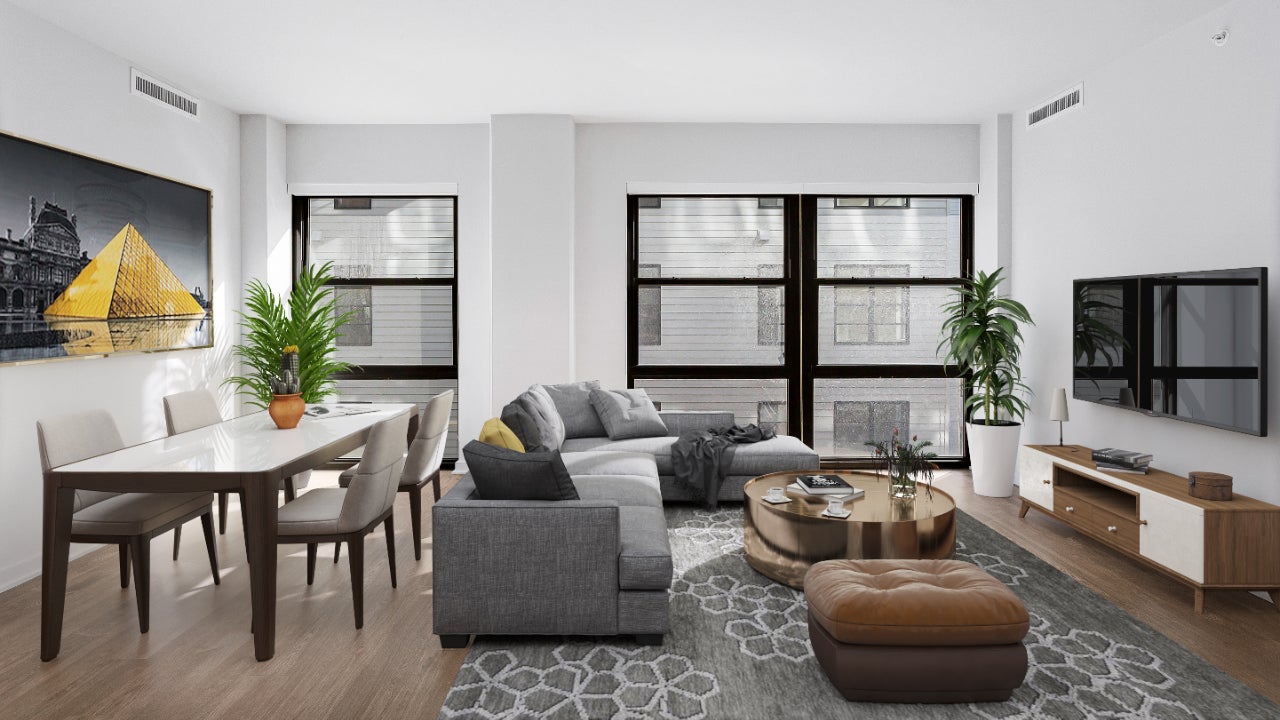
{"type": "Point", "coordinates": [1022, 512]}
{"type": "Point", "coordinates": [1275, 598]}
{"type": "Point", "coordinates": [1199, 601]}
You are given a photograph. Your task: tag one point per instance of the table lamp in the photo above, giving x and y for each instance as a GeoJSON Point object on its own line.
{"type": "Point", "coordinates": [1058, 410]}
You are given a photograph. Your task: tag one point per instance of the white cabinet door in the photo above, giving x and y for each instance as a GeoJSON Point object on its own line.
{"type": "Point", "coordinates": [1035, 477]}
{"type": "Point", "coordinates": [1173, 535]}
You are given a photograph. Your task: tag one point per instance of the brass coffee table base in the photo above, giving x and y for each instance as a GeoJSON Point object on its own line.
{"type": "Point", "coordinates": [783, 541]}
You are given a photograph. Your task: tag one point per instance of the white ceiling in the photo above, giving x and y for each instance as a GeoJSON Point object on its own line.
{"type": "Point", "coordinates": [419, 61]}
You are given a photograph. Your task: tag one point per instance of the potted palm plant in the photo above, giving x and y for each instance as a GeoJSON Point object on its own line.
{"type": "Point", "coordinates": [981, 335]}
{"type": "Point", "coordinates": [287, 346]}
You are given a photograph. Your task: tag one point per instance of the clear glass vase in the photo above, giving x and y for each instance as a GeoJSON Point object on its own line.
{"type": "Point", "coordinates": [901, 483]}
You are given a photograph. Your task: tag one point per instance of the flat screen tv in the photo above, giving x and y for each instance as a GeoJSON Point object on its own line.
{"type": "Point", "coordinates": [1190, 346]}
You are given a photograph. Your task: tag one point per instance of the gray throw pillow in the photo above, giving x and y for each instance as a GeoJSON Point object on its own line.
{"type": "Point", "coordinates": [502, 474]}
{"type": "Point", "coordinates": [628, 414]}
{"type": "Point", "coordinates": [520, 422]}
{"type": "Point", "coordinates": [542, 409]}
{"type": "Point", "coordinates": [573, 402]}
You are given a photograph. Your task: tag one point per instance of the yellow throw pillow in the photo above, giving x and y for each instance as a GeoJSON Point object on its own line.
{"type": "Point", "coordinates": [495, 432]}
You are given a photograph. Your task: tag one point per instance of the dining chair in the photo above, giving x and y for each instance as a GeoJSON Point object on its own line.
{"type": "Point", "coordinates": [422, 465]}
{"type": "Point", "coordinates": [127, 520]}
{"type": "Point", "coordinates": [194, 409]}
{"type": "Point", "coordinates": [349, 514]}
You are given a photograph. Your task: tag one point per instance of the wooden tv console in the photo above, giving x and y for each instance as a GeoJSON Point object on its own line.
{"type": "Point", "coordinates": [1152, 518]}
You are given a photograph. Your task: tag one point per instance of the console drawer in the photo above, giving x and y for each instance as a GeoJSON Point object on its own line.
{"type": "Point", "coordinates": [1071, 507]}
{"type": "Point", "coordinates": [1121, 531]}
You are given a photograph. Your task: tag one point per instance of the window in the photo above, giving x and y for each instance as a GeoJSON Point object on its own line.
{"type": "Point", "coordinates": [394, 261]}
{"type": "Point", "coordinates": [817, 316]}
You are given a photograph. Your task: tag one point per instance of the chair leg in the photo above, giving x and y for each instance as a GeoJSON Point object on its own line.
{"type": "Point", "coordinates": [415, 519]}
{"type": "Point", "coordinates": [210, 544]}
{"type": "Point", "coordinates": [435, 485]}
{"type": "Point", "coordinates": [289, 493]}
{"type": "Point", "coordinates": [177, 541]}
{"type": "Point", "coordinates": [311, 562]}
{"type": "Point", "coordinates": [244, 526]}
{"type": "Point", "coordinates": [355, 556]}
{"type": "Point", "coordinates": [337, 551]}
{"type": "Point", "coordinates": [389, 529]}
{"type": "Point", "coordinates": [124, 564]}
{"type": "Point", "coordinates": [222, 512]}
{"type": "Point", "coordinates": [140, 548]}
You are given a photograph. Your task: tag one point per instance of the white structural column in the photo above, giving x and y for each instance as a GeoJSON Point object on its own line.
{"type": "Point", "coordinates": [993, 208]}
{"type": "Point", "coordinates": [265, 215]}
{"type": "Point", "coordinates": [531, 208]}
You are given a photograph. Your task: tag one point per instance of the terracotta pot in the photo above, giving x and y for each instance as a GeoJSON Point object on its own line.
{"type": "Point", "coordinates": [286, 410]}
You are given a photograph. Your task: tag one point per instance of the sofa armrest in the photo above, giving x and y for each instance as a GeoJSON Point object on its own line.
{"type": "Point", "coordinates": [679, 422]}
{"type": "Point", "coordinates": [524, 566]}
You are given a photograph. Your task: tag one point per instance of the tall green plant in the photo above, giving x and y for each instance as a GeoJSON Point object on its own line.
{"type": "Point", "coordinates": [981, 335]}
{"type": "Point", "coordinates": [309, 319]}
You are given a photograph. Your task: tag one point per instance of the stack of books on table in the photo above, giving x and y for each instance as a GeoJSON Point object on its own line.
{"type": "Point", "coordinates": [1117, 460]}
{"type": "Point", "coordinates": [832, 485]}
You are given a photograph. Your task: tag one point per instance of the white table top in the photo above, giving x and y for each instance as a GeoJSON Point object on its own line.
{"type": "Point", "coordinates": [247, 444]}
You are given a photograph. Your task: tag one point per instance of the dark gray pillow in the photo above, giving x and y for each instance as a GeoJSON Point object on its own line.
{"type": "Point", "coordinates": [518, 420]}
{"type": "Point", "coordinates": [542, 409]}
{"type": "Point", "coordinates": [502, 474]}
{"type": "Point", "coordinates": [573, 402]}
{"type": "Point", "coordinates": [628, 414]}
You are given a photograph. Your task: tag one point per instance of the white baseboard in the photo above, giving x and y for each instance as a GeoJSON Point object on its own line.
{"type": "Point", "coordinates": [29, 569]}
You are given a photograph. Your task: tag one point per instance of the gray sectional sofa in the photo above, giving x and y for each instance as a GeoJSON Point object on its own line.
{"type": "Point", "coordinates": [599, 565]}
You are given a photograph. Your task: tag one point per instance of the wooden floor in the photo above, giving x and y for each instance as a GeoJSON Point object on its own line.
{"type": "Point", "coordinates": [197, 661]}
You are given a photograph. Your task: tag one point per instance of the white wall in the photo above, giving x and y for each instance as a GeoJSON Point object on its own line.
{"type": "Point", "coordinates": [609, 156]}
{"type": "Point", "coordinates": [403, 159]}
{"type": "Point", "coordinates": [532, 165]}
{"type": "Point", "coordinates": [58, 89]}
{"type": "Point", "coordinates": [1172, 164]}
{"type": "Point", "coordinates": [266, 214]}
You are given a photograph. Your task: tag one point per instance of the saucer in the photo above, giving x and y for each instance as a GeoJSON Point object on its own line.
{"type": "Point", "coordinates": [771, 501]}
{"type": "Point", "coordinates": [838, 516]}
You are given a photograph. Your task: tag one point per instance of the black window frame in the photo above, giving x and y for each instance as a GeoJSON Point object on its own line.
{"type": "Point", "coordinates": [301, 232]}
{"type": "Point", "coordinates": [801, 288]}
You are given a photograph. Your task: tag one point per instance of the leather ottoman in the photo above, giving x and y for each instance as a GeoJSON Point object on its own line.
{"type": "Point", "coordinates": [916, 631]}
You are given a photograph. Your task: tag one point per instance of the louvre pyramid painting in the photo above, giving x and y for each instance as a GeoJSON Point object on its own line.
{"type": "Point", "coordinates": [126, 280]}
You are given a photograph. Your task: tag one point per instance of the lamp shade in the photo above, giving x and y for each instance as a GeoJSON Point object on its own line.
{"type": "Point", "coordinates": [1058, 410]}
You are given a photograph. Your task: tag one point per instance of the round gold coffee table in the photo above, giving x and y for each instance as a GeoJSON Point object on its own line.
{"type": "Point", "coordinates": [782, 541]}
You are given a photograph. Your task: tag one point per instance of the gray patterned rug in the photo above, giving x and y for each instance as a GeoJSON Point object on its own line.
{"type": "Point", "coordinates": [739, 648]}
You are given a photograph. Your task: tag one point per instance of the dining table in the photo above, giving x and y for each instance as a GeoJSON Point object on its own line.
{"type": "Point", "coordinates": [248, 454]}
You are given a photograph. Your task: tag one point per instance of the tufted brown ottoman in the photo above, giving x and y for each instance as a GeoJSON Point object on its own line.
{"type": "Point", "coordinates": [918, 631]}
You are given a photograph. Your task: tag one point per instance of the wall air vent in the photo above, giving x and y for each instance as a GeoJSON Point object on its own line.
{"type": "Point", "coordinates": [1059, 104]}
{"type": "Point", "coordinates": [146, 86]}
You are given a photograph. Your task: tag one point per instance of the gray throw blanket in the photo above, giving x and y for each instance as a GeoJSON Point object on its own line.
{"type": "Point", "coordinates": [701, 460]}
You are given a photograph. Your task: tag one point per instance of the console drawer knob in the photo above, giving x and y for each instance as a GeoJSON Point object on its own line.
{"type": "Point", "coordinates": [1071, 508]}
{"type": "Point", "coordinates": [1047, 482]}
{"type": "Point", "coordinates": [1111, 528]}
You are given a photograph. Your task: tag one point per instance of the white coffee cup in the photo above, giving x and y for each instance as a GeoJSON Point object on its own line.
{"type": "Point", "coordinates": [776, 493]}
{"type": "Point", "coordinates": [835, 506]}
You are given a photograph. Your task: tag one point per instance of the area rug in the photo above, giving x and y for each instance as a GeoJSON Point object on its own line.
{"type": "Point", "coordinates": [739, 648]}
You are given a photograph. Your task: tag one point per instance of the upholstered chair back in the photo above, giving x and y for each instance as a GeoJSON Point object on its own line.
{"type": "Point", "coordinates": [373, 489]}
{"type": "Point", "coordinates": [427, 449]}
{"type": "Point", "coordinates": [191, 410]}
{"type": "Point", "coordinates": [65, 439]}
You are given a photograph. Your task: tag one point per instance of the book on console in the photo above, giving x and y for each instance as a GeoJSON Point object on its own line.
{"type": "Point", "coordinates": [1125, 458]}
{"type": "Point", "coordinates": [824, 484]}
{"type": "Point", "coordinates": [1138, 470]}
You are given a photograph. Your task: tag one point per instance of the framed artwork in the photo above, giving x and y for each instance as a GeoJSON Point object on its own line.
{"type": "Point", "coordinates": [96, 258]}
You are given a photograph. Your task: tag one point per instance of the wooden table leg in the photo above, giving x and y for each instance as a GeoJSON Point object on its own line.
{"type": "Point", "coordinates": [59, 503]}
{"type": "Point", "coordinates": [1199, 601]}
{"type": "Point", "coordinates": [261, 513]}
{"type": "Point", "coordinates": [1275, 598]}
{"type": "Point", "coordinates": [1022, 512]}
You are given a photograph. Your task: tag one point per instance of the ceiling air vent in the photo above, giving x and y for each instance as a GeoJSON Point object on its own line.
{"type": "Point", "coordinates": [1059, 104]}
{"type": "Point", "coordinates": [156, 91]}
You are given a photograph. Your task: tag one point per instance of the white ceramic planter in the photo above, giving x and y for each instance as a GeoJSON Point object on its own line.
{"type": "Point", "coordinates": [993, 455]}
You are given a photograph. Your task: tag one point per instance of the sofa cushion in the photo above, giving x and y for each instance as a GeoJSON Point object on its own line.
{"type": "Point", "coordinates": [773, 455]}
{"type": "Point", "coordinates": [495, 432]}
{"type": "Point", "coordinates": [573, 403]}
{"type": "Point", "coordinates": [502, 474]}
{"type": "Point", "coordinates": [520, 422]}
{"type": "Point", "coordinates": [611, 463]}
{"type": "Point", "coordinates": [540, 407]}
{"type": "Point", "coordinates": [644, 562]}
{"type": "Point", "coordinates": [627, 414]}
{"type": "Point", "coordinates": [626, 490]}
{"type": "Point", "coordinates": [658, 447]}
